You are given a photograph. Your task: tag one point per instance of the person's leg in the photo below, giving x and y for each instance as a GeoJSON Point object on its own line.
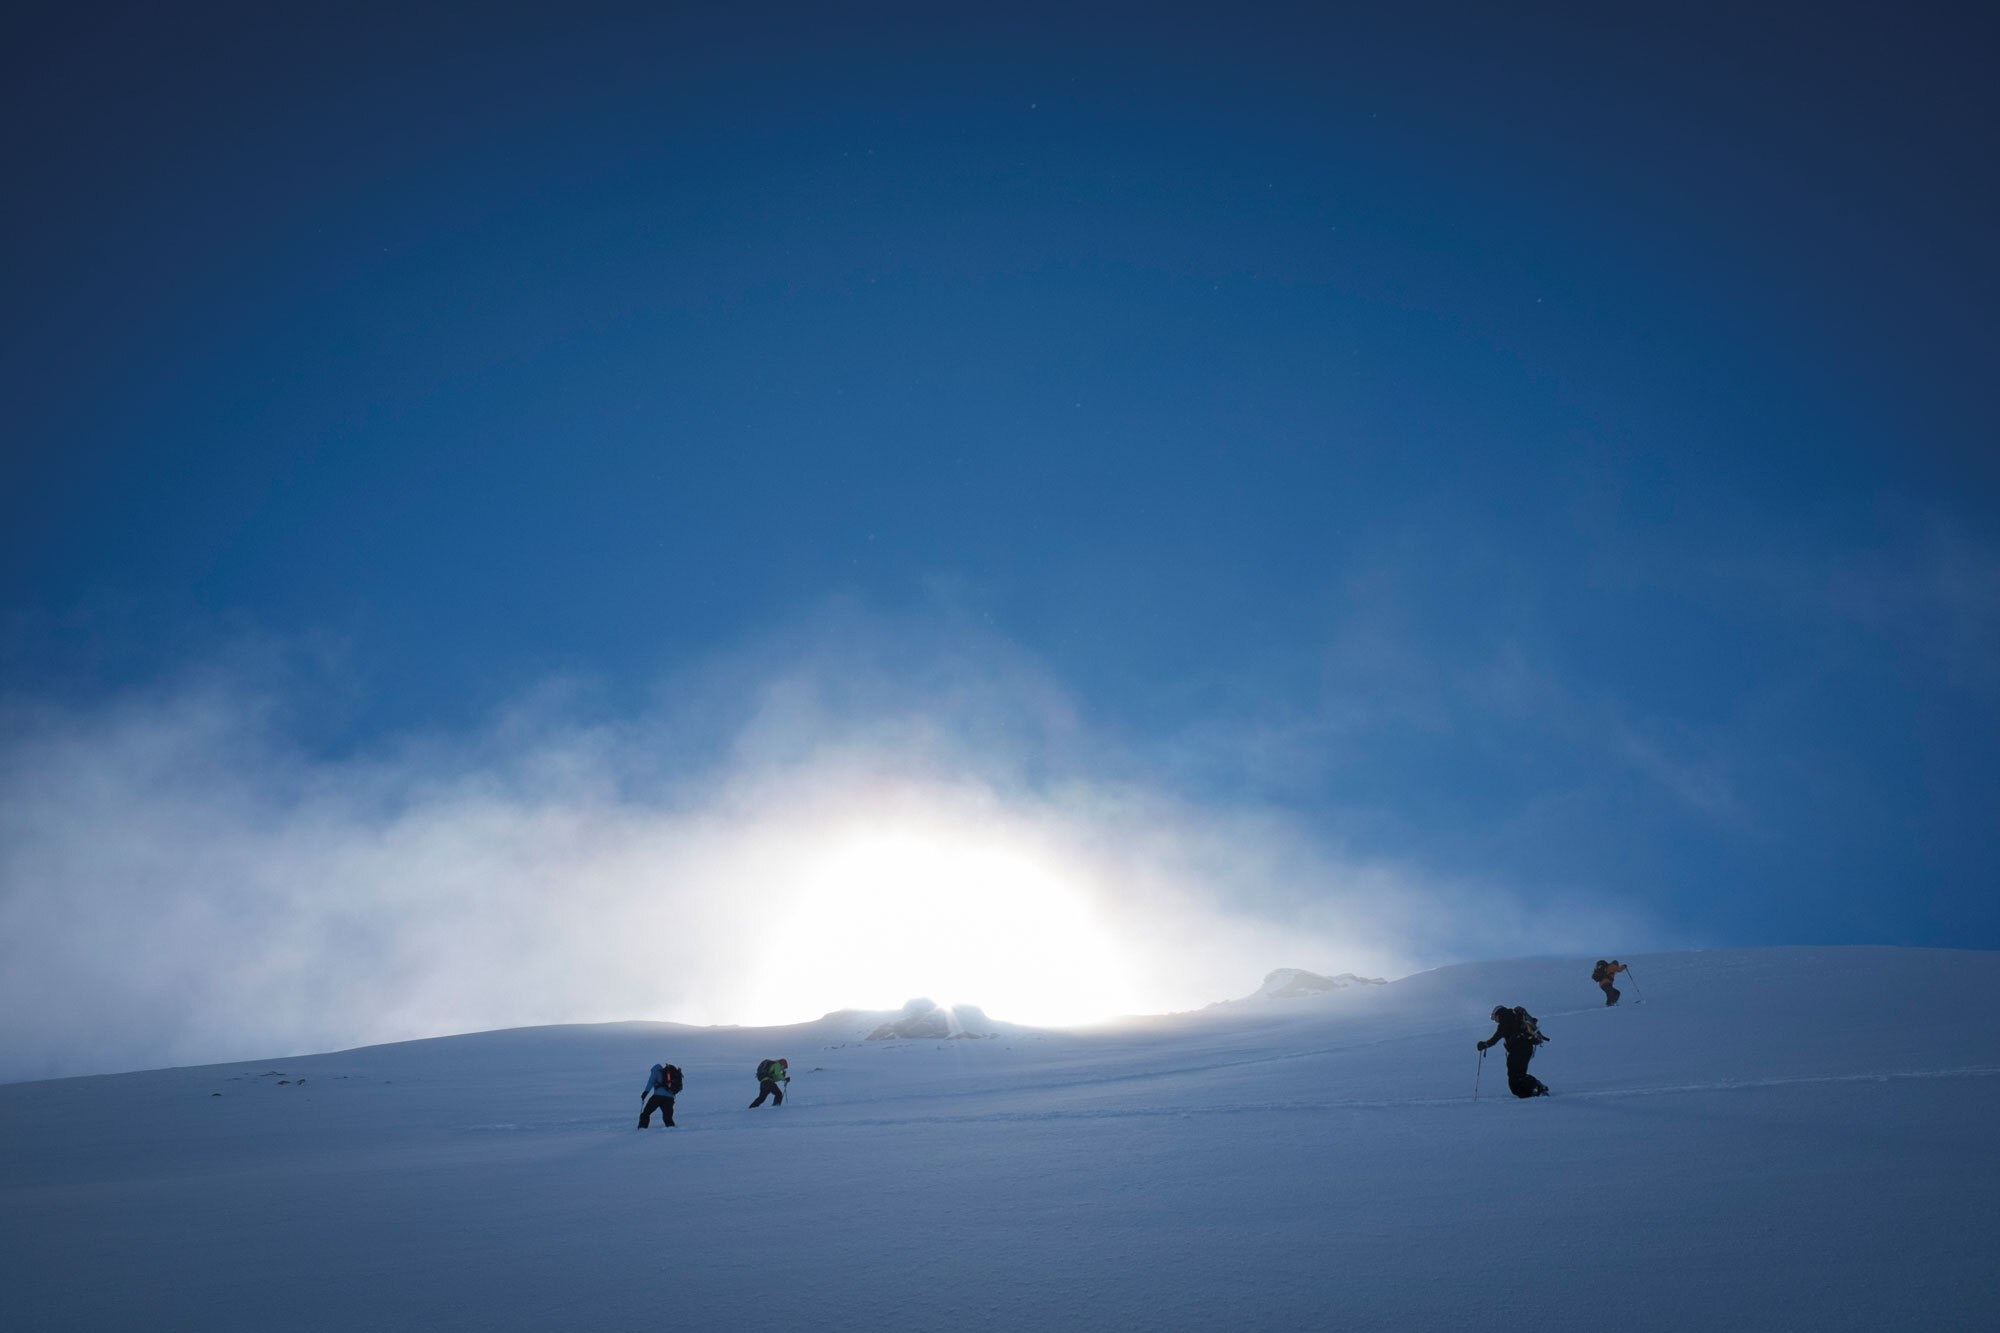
{"type": "Point", "coordinates": [1536, 1088]}
{"type": "Point", "coordinates": [652, 1105]}
{"type": "Point", "coordinates": [667, 1111]}
{"type": "Point", "coordinates": [777, 1094]}
{"type": "Point", "coordinates": [1610, 995]}
{"type": "Point", "coordinates": [1519, 1081]}
{"type": "Point", "coordinates": [764, 1089]}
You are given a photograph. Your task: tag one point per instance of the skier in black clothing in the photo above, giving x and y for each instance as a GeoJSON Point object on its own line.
{"type": "Point", "coordinates": [1516, 1027]}
{"type": "Point", "coordinates": [770, 1073]}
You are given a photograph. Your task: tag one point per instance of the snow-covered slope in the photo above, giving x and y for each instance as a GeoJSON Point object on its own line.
{"type": "Point", "coordinates": [1775, 1139]}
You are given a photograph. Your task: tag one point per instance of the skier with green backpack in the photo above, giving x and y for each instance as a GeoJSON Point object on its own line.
{"type": "Point", "coordinates": [770, 1073]}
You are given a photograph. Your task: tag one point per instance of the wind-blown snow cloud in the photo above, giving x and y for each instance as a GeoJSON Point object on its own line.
{"type": "Point", "coordinates": [179, 882]}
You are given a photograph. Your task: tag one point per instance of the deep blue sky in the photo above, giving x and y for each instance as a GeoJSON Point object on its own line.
{"type": "Point", "coordinates": [1566, 438]}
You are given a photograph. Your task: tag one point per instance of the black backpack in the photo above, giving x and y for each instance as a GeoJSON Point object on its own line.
{"type": "Point", "coordinates": [674, 1081]}
{"type": "Point", "coordinates": [1528, 1027]}
{"type": "Point", "coordinates": [764, 1070]}
{"type": "Point", "coordinates": [1597, 973]}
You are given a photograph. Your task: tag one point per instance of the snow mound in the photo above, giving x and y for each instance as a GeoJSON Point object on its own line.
{"type": "Point", "coordinates": [927, 1018]}
{"type": "Point", "coordinates": [1289, 983]}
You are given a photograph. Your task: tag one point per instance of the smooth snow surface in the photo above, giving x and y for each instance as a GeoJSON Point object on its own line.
{"type": "Point", "coordinates": [1775, 1139]}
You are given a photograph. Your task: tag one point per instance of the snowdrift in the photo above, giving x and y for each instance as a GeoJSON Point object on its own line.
{"type": "Point", "coordinates": [1774, 1139]}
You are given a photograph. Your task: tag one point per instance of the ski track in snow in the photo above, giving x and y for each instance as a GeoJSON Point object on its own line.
{"type": "Point", "coordinates": [802, 1121]}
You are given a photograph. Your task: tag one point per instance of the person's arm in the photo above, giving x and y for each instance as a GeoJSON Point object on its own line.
{"type": "Point", "coordinates": [1492, 1040]}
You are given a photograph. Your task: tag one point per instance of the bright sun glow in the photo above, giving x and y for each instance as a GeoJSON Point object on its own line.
{"type": "Point", "coordinates": [884, 915]}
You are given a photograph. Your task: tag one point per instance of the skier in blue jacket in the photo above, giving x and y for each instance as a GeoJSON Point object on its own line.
{"type": "Point", "coordinates": [662, 1085]}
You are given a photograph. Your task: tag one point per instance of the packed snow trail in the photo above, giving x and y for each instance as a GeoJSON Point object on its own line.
{"type": "Point", "coordinates": [1795, 1138]}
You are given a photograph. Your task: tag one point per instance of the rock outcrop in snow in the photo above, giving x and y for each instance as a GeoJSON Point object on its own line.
{"type": "Point", "coordinates": [927, 1018]}
{"type": "Point", "coordinates": [1289, 983]}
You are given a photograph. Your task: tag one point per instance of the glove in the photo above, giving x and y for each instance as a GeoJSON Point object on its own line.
{"type": "Point", "coordinates": [1482, 1045]}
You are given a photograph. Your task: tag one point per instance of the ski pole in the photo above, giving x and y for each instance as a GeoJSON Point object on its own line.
{"type": "Point", "coordinates": [1477, 1070]}
{"type": "Point", "coordinates": [1638, 993]}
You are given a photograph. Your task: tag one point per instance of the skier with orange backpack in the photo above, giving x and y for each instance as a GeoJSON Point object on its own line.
{"type": "Point", "coordinates": [662, 1086]}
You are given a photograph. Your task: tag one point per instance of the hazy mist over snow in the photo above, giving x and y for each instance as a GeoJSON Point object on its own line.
{"type": "Point", "coordinates": [845, 819]}
{"type": "Point", "coordinates": [688, 512]}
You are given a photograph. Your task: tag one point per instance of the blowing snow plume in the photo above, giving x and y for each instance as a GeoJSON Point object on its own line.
{"type": "Point", "coordinates": [180, 881]}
